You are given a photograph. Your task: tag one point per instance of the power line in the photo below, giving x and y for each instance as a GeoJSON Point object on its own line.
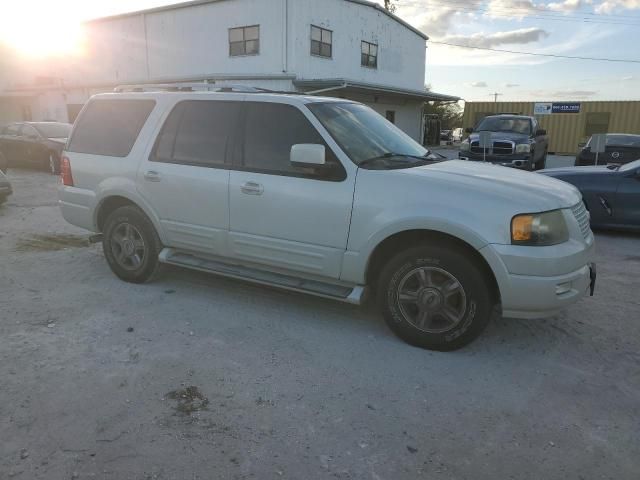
{"type": "Point", "coordinates": [618, 60]}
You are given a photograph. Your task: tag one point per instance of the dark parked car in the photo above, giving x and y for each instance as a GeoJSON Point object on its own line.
{"type": "Point", "coordinates": [610, 192]}
{"type": "Point", "coordinates": [5, 188]}
{"type": "Point", "coordinates": [620, 148]}
{"type": "Point", "coordinates": [34, 144]}
{"type": "Point", "coordinates": [446, 136]}
{"type": "Point", "coordinates": [516, 141]}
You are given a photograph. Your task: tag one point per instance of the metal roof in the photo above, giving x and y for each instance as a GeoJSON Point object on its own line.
{"type": "Point", "coordinates": [363, 87]}
{"type": "Point", "coordinates": [193, 3]}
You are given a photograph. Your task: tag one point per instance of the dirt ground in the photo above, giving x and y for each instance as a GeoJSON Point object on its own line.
{"type": "Point", "coordinates": [197, 377]}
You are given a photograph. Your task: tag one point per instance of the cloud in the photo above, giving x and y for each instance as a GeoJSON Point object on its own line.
{"type": "Point", "coordinates": [479, 84]}
{"type": "Point", "coordinates": [523, 8]}
{"type": "Point", "coordinates": [627, 78]}
{"type": "Point", "coordinates": [565, 94]}
{"type": "Point", "coordinates": [520, 36]}
{"type": "Point", "coordinates": [511, 85]}
{"type": "Point", "coordinates": [609, 6]}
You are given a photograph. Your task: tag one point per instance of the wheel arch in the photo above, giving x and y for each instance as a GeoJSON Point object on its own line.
{"type": "Point", "coordinates": [392, 244]}
{"type": "Point", "coordinates": [111, 202]}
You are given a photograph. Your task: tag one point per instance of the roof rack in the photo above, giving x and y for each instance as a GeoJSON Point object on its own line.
{"type": "Point", "coordinates": [189, 87]}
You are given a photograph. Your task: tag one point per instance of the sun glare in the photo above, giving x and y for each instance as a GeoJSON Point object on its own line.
{"type": "Point", "coordinates": [40, 29]}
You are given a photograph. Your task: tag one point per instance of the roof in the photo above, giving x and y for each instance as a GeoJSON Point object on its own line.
{"type": "Point", "coordinates": [362, 87]}
{"type": "Point", "coordinates": [194, 3]}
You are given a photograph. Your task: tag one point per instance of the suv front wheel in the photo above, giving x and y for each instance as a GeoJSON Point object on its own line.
{"type": "Point", "coordinates": [131, 245]}
{"type": "Point", "coordinates": [435, 298]}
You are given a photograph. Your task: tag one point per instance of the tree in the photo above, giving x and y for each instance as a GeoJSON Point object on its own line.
{"type": "Point", "coordinates": [450, 114]}
{"type": "Point", "coordinates": [389, 6]}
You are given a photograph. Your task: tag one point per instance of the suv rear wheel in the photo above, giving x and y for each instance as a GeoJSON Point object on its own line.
{"type": "Point", "coordinates": [435, 298]}
{"type": "Point", "coordinates": [131, 245]}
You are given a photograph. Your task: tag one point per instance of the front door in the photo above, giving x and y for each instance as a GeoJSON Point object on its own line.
{"type": "Point", "coordinates": [627, 210]}
{"type": "Point", "coordinates": [285, 216]}
{"type": "Point", "coordinates": [186, 178]}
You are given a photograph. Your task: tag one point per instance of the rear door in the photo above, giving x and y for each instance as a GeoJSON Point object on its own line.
{"type": "Point", "coordinates": [31, 150]}
{"type": "Point", "coordinates": [627, 208]}
{"type": "Point", "coordinates": [186, 177]}
{"type": "Point", "coordinates": [285, 216]}
{"type": "Point", "coordinates": [11, 143]}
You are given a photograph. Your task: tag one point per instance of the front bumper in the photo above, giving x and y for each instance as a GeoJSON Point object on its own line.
{"type": "Point", "coordinates": [538, 282]}
{"type": "Point", "coordinates": [514, 161]}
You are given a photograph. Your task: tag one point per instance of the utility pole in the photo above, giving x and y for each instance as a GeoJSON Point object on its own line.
{"type": "Point", "coordinates": [495, 96]}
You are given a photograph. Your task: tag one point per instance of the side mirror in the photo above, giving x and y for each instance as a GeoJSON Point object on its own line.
{"type": "Point", "coordinates": [541, 132]}
{"type": "Point", "coordinates": [307, 155]}
{"type": "Point", "coordinates": [468, 130]}
{"type": "Point", "coordinates": [582, 144]}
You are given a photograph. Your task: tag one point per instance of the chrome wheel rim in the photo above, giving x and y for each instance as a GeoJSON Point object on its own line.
{"type": "Point", "coordinates": [431, 299]}
{"type": "Point", "coordinates": [128, 247]}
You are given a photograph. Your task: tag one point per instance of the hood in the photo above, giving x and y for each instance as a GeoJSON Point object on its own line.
{"type": "Point", "coordinates": [575, 171]}
{"type": "Point", "coordinates": [523, 191]}
{"type": "Point", "coordinates": [60, 140]}
{"type": "Point", "coordinates": [497, 136]}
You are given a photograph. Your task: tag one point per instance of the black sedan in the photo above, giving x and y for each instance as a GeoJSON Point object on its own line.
{"type": "Point", "coordinates": [620, 148]}
{"type": "Point", "coordinates": [611, 193]}
{"type": "Point", "coordinates": [34, 144]}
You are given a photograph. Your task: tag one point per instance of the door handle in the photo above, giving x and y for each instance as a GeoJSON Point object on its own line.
{"type": "Point", "coordinates": [252, 188]}
{"type": "Point", "coordinates": [152, 176]}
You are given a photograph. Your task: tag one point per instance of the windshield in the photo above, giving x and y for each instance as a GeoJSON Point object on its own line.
{"type": "Point", "coordinates": [505, 124]}
{"type": "Point", "coordinates": [622, 140]}
{"type": "Point", "coordinates": [363, 133]}
{"type": "Point", "coordinates": [54, 130]}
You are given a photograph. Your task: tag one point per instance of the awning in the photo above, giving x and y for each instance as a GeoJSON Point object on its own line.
{"type": "Point", "coordinates": [320, 86]}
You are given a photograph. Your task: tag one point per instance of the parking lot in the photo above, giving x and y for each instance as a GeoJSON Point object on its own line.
{"type": "Point", "coordinates": [194, 376]}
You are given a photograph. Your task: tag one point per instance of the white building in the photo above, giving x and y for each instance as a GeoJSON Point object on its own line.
{"type": "Point", "coordinates": [345, 48]}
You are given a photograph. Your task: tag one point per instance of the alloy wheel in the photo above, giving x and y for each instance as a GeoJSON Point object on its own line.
{"type": "Point", "coordinates": [128, 246]}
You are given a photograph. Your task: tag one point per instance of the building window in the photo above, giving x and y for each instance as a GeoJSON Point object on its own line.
{"type": "Point", "coordinates": [321, 41]}
{"type": "Point", "coordinates": [369, 57]}
{"type": "Point", "coordinates": [391, 116]}
{"type": "Point", "coordinates": [244, 41]}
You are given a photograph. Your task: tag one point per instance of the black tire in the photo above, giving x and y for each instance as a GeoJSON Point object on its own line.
{"type": "Point", "coordinates": [542, 163]}
{"type": "Point", "coordinates": [53, 163]}
{"type": "Point", "coordinates": [472, 306]}
{"type": "Point", "coordinates": [121, 248]}
{"type": "Point", "coordinates": [4, 163]}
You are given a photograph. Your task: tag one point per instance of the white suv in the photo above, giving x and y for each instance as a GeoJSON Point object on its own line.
{"type": "Point", "coordinates": [323, 196]}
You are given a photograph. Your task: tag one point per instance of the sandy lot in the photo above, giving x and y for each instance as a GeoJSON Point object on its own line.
{"type": "Point", "coordinates": [196, 377]}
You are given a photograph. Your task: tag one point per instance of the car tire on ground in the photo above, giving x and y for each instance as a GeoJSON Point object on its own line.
{"type": "Point", "coordinates": [53, 163]}
{"type": "Point", "coordinates": [542, 163]}
{"type": "Point", "coordinates": [131, 245]}
{"type": "Point", "coordinates": [4, 163]}
{"type": "Point", "coordinates": [435, 297]}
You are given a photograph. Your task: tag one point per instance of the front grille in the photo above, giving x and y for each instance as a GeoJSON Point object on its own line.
{"type": "Point", "coordinates": [582, 216]}
{"type": "Point", "coordinates": [498, 148]}
{"type": "Point", "coordinates": [502, 148]}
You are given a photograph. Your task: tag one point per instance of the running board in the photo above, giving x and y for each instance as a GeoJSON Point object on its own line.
{"type": "Point", "coordinates": [353, 295]}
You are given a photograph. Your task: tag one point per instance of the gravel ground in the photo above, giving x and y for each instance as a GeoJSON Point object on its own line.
{"type": "Point", "coordinates": [197, 377]}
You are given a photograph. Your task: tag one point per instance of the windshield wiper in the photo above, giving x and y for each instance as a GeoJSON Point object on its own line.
{"type": "Point", "coordinates": [389, 155]}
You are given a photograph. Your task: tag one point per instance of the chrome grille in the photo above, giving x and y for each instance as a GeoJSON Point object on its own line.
{"type": "Point", "coordinates": [498, 148]}
{"type": "Point", "coordinates": [582, 216]}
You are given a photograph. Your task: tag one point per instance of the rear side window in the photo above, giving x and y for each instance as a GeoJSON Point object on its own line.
{"type": "Point", "coordinates": [110, 127]}
{"type": "Point", "coordinates": [197, 133]}
{"type": "Point", "coordinates": [271, 129]}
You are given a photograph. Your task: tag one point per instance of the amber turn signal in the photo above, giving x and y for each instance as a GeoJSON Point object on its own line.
{"type": "Point", "coordinates": [521, 227]}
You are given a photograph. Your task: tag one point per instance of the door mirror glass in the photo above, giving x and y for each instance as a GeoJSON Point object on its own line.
{"type": "Point", "coordinates": [307, 155]}
{"type": "Point", "coordinates": [541, 132]}
{"type": "Point", "coordinates": [468, 130]}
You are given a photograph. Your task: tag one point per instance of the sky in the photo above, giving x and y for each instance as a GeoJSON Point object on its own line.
{"type": "Point", "coordinates": [587, 28]}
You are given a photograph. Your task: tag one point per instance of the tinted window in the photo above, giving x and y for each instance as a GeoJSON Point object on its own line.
{"type": "Point", "coordinates": [505, 124]}
{"type": "Point", "coordinates": [12, 130]}
{"type": "Point", "coordinates": [28, 131]}
{"type": "Point", "coordinates": [54, 130]}
{"type": "Point", "coordinates": [271, 130]}
{"type": "Point", "coordinates": [110, 127]}
{"type": "Point", "coordinates": [197, 133]}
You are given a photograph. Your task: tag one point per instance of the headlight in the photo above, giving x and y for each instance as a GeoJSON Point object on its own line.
{"type": "Point", "coordinates": [465, 146]}
{"type": "Point", "coordinates": [523, 148]}
{"type": "Point", "coordinates": [539, 229]}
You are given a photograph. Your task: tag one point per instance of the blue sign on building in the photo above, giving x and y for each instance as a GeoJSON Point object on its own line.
{"type": "Point", "coordinates": [569, 107]}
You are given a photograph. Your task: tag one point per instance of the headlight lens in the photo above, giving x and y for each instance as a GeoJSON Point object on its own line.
{"type": "Point", "coordinates": [539, 229]}
{"type": "Point", "coordinates": [523, 148]}
{"type": "Point", "coordinates": [465, 146]}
